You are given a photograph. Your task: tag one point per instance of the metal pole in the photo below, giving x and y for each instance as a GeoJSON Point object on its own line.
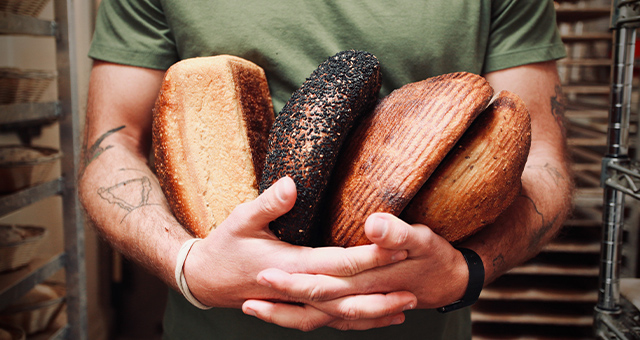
{"type": "Point", "coordinates": [617, 150]}
{"type": "Point", "coordinates": [70, 145]}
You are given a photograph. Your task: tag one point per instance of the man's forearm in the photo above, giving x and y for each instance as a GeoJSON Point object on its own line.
{"type": "Point", "coordinates": [530, 222]}
{"type": "Point", "coordinates": [123, 199]}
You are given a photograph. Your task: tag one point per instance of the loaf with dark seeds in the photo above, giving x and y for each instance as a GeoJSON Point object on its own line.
{"type": "Point", "coordinates": [309, 132]}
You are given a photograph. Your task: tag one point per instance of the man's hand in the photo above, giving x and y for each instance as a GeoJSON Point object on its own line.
{"type": "Point", "coordinates": [221, 270]}
{"type": "Point", "coordinates": [434, 271]}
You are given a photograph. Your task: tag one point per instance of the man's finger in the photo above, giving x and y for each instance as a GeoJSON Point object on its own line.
{"type": "Point", "coordinates": [271, 204]}
{"type": "Point", "coordinates": [307, 318]}
{"type": "Point", "coordinates": [390, 232]}
{"type": "Point", "coordinates": [339, 261]}
{"type": "Point", "coordinates": [330, 293]}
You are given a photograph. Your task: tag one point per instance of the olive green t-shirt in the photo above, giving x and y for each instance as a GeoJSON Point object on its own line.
{"type": "Point", "coordinates": [413, 40]}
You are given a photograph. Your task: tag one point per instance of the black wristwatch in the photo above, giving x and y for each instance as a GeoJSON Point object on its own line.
{"type": "Point", "coordinates": [476, 281]}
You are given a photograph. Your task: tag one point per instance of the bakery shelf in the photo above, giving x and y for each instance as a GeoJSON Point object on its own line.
{"type": "Point", "coordinates": [16, 283]}
{"type": "Point", "coordinates": [16, 115]}
{"type": "Point", "coordinates": [586, 89]}
{"type": "Point", "coordinates": [572, 247]}
{"type": "Point", "coordinates": [12, 202]}
{"type": "Point", "coordinates": [586, 37]}
{"type": "Point", "coordinates": [65, 112]}
{"type": "Point", "coordinates": [16, 24]}
{"type": "Point", "coordinates": [553, 269]}
{"type": "Point", "coordinates": [585, 62]}
{"type": "Point", "coordinates": [540, 294]}
{"type": "Point", "coordinates": [531, 318]}
{"type": "Point", "coordinates": [573, 14]}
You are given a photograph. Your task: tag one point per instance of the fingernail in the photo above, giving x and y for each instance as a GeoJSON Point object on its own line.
{"type": "Point", "coordinates": [250, 311]}
{"type": "Point", "coordinates": [379, 227]}
{"type": "Point", "coordinates": [281, 192]}
{"type": "Point", "coordinates": [397, 320]}
{"type": "Point", "coordinates": [399, 256]}
{"type": "Point", "coordinates": [263, 282]}
{"type": "Point", "coordinates": [409, 306]}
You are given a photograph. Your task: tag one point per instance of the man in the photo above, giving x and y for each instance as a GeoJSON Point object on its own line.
{"type": "Point", "coordinates": [241, 267]}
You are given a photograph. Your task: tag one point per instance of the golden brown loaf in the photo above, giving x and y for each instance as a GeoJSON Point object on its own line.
{"type": "Point", "coordinates": [392, 153]}
{"type": "Point", "coordinates": [210, 129]}
{"type": "Point", "coordinates": [309, 132]}
{"type": "Point", "coordinates": [480, 177]}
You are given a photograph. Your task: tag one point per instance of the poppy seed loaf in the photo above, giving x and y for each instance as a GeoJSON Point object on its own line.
{"type": "Point", "coordinates": [210, 128]}
{"type": "Point", "coordinates": [310, 130]}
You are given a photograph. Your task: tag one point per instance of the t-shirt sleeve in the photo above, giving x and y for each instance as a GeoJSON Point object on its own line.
{"type": "Point", "coordinates": [522, 32]}
{"type": "Point", "coordinates": [133, 33]}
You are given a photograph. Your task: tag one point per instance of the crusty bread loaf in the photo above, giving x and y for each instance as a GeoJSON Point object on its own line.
{"type": "Point", "coordinates": [210, 129]}
{"type": "Point", "coordinates": [309, 132]}
{"type": "Point", "coordinates": [392, 153]}
{"type": "Point", "coordinates": [480, 177]}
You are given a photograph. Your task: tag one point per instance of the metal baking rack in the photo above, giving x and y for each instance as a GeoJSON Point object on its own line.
{"type": "Point", "coordinates": [24, 119]}
{"type": "Point", "coordinates": [616, 317]}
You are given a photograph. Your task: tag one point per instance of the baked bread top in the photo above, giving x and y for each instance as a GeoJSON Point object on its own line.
{"type": "Point", "coordinates": [480, 177]}
{"type": "Point", "coordinates": [392, 153]}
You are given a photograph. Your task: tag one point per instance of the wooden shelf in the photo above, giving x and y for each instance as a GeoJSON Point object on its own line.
{"type": "Point", "coordinates": [586, 89]}
{"type": "Point", "coordinates": [574, 14]}
{"type": "Point", "coordinates": [16, 115]}
{"type": "Point", "coordinates": [25, 25]}
{"type": "Point", "coordinates": [539, 294]}
{"type": "Point", "coordinates": [12, 202]}
{"type": "Point", "coordinates": [586, 37]}
{"type": "Point", "coordinates": [585, 62]}
{"type": "Point", "coordinates": [530, 318]}
{"type": "Point", "coordinates": [554, 269]}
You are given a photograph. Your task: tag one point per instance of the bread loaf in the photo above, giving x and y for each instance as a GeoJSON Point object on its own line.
{"type": "Point", "coordinates": [392, 153]}
{"type": "Point", "coordinates": [210, 128]}
{"type": "Point", "coordinates": [480, 177]}
{"type": "Point", "coordinates": [309, 132]}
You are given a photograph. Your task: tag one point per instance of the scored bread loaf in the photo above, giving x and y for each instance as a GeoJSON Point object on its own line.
{"type": "Point", "coordinates": [309, 131]}
{"type": "Point", "coordinates": [210, 129]}
{"type": "Point", "coordinates": [480, 177]}
{"type": "Point", "coordinates": [392, 153]}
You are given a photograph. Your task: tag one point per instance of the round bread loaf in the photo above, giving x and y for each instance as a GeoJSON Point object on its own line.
{"type": "Point", "coordinates": [392, 153]}
{"type": "Point", "coordinates": [210, 129]}
{"type": "Point", "coordinates": [309, 132]}
{"type": "Point", "coordinates": [480, 177]}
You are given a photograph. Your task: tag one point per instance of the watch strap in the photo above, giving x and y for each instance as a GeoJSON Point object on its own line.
{"type": "Point", "coordinates": [476, 281]}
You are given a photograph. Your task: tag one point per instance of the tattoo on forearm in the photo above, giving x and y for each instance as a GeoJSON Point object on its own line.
{"type": "Point", "coordinates": [553, 171]}
{"type": "Point", "coordinates": [544, 229]}
{"type": "Point", "coordinates": [90, 154]}
{"type": "Point", "coordinates": [128, 195]}
{"type": "Point", "coordinates": [498, 263]}
{"type": "Point", "coordinates": [558, 107]}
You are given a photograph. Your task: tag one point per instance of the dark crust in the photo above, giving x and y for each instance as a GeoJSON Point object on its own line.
{"type": "Point", "coordinates": [257, 109]}
{"type": "Point", "coordinates": [395, 150]}
{"type": "Point", "coordinates": [307, 135]}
